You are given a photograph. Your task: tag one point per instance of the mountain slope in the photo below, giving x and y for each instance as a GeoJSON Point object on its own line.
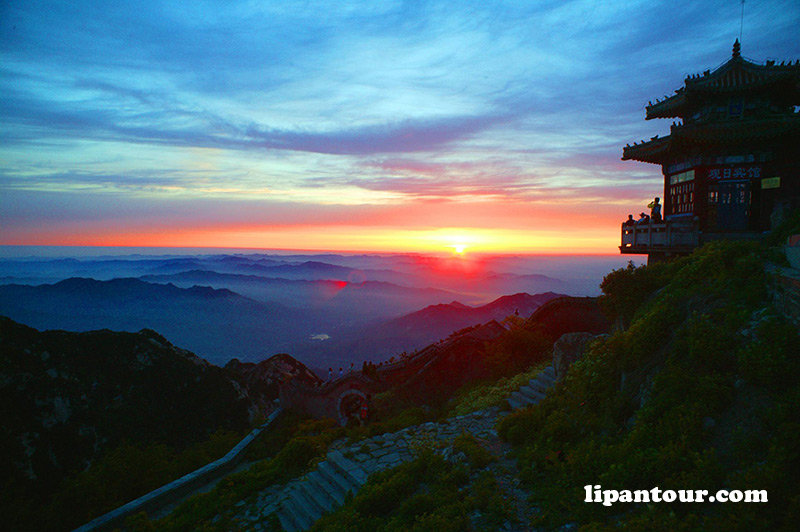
{"type": "Point", "coordinates": [440, 320]}
{"type": "Point", "coordinates": [216, 324]}
{"type": "Point", "coordinates": [435, 322]}
{"type": "Point", "coordinates": [698, 393]}
{"type": "Point", "coordinates": [69, 396]}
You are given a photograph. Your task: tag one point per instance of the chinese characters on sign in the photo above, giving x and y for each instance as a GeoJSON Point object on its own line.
{"type": "Point", "coordinates": [737, 172]}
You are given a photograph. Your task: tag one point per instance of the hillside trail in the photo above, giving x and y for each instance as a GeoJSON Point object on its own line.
{"type": "Point", "coordinates": [297, 504]}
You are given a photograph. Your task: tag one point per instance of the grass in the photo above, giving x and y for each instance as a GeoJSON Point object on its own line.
{"type": "Point", "coordinates": [481, 396]}
{"type": "Point", "coordinates": [660, 404]}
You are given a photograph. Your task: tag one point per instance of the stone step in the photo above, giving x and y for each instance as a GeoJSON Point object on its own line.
{"type": "Point", "coordinates": [546, 381]}
{"type": "Point", "coordinates": [323, 489]}
{"type": "Point", "coordinates": [521, 399]}
{"type": "Point", "coordinates": [524, 396]}
{"type": "Point", "coordinates": [514, 403]}
{"type": "Point", "coordinates": [536, 384]}
{"type": "Point", "coordinates": [322, 503]}
{"type": "Point", "coordinates": [336, 479]}
{"type": "Point", "coordinates": [532, 393]}
{"type": "Point", "coordinates": [333, 491]}
{"type": "Point", "coordinates": [294, 514]}
{"type": "Point", "coordinates": [286, 521]}
{"type": "Point", "coordinates": [310, 510]}
{"type": "Point", "coordinates": [348, 468]}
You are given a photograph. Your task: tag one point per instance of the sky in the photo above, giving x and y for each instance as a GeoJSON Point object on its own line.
{"type": "Point", "coordinates": [348, 126]}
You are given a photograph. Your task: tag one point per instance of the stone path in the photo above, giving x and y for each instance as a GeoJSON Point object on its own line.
{"type": "Point", "coordinates": [302, 501]}
{"type": "Point", "coordinates": [534, 391]}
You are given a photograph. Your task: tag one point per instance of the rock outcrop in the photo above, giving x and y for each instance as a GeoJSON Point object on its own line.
{"type": "Point", "coordinates": [567, 349]}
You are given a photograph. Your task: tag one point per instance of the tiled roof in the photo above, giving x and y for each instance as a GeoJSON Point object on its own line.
{"type": "Point", "coordinates": [654, 150]}
{"type": "Point", "coordinates": [735, 75]}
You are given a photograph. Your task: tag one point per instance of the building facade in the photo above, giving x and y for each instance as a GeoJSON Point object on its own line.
{"type": "Point", "coordinates": [731, 163]}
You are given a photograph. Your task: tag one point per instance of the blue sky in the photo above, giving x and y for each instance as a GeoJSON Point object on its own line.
{"type": "Point", "coordinates": [346, 125]}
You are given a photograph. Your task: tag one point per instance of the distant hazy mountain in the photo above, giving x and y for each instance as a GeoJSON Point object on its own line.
{"type": "Point", "coordinates": [507, 283]}
{"type": "Point", "coordinates": [217, 324]}
{"type": "Point", "coordinates": [336, 301]}
{"type": "Point", "coordinates": [420, 328]}
{"type": "Point", "coordinates": [292, 293]}
{"type": "Point", "coordinates": [440, 319]}
{"type": "Point", "coordinates": [483, 277]}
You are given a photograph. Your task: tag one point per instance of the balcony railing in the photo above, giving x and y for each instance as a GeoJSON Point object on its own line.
{"type": "Point", "coordinates": [669, 235]}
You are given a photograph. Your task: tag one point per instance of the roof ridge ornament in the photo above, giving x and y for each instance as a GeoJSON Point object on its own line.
{"type": "Point", "coordinates": [737, 49]}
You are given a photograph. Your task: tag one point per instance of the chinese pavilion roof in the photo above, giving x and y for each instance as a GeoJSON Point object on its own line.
{"type": "Point", "coordinates": [737, 75]}
{"type": "Point", "coordinates": [658, 149]}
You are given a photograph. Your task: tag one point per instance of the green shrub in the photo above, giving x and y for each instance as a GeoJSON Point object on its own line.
{"type": "Point", "coordinates": [770, 359]}
{"type": "Point", "coordinates": [661, 403]}
{"type": "Point", "coordinates": [494, 393]}
{"type": "Point", "coordinates": [516, 350]}
{"type": "Point", "coordinates": [215, 510]}
{"type": "Point", "coordinates": [477, 456]}
{"type": "Point", "coordinates": [127, 472]}
{"type": "Point", "coordinates": [423, 495]}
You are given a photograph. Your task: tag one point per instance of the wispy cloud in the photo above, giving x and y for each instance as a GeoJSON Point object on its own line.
{"type": "Point", "coordinates": [392, 104]}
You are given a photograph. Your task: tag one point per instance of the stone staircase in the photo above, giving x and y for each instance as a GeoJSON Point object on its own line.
{"type": "Point", "coordinates": [298, 504]}
{"type": "Point", "coordinates": [534, 391]}
{"type": "Point", "coordinates": [322, 490]}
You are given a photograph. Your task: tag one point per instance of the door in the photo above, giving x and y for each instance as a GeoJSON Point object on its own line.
{"type": "Point", "coordinates": [733, 205]}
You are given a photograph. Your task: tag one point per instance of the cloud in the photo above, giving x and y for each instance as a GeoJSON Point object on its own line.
{"type": "Point", "coordinates": [199, 128]}
{"type": "Point", "coordinates": [378, 109]}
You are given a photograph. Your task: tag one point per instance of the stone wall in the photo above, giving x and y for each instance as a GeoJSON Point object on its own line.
{"type": "Point", "coordinates": [423, 376]}
{"type": "Point", "coordinates": [179, 488]}
{"type": "Point", "coordinates": [325, 401]}
{"type": "Point", "coordinates": [570, 314]}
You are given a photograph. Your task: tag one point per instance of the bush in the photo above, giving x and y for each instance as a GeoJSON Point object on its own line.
{"type": "Point", "coordinates": [769, 360]}
{"type": "Point", "coordinates": [477, 456]}
{"type": "Point", "coordinates": [427, 494]}
{"type": "Point", "coordinates": [215, 510]}
{"type": "Point", "coordinates": [661, 403]}
{"type": "Point", "coordinates": [127, 472]}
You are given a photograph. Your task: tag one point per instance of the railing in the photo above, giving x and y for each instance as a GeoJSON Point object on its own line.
{"type": "Point", "coordinates": [669, 235]}
{"type": "Point", "coordinates": [176, 489]}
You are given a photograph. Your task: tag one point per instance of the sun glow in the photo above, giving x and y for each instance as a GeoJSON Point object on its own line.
{"type": "Point", "coordinates": [458, 242]}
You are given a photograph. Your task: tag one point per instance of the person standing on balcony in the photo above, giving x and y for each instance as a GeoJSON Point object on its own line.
{"type": "Point", "coordinates": [655, 210]}
{"type": "Point", "coordinates": [630, 221]}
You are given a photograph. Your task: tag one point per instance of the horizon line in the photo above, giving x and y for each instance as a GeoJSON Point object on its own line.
{"type": "Point", "coordinates": [195, 250]}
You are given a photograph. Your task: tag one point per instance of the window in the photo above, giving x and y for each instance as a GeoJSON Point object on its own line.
{"type": "Point", "coordinates": [681, 197]}
{"type": "Point", "coordinates": [681, 177]}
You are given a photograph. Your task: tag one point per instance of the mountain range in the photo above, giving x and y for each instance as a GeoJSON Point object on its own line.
{"type": "Point", "coordinates": [417, 329]}
{"type": "Point", "coordinates": [332, 322]}
{"type": "Point", "coordinates": [216, 324]}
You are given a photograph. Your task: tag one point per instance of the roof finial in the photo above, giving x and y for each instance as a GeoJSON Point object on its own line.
{"type": "Point", "coordinates": [737, 49]}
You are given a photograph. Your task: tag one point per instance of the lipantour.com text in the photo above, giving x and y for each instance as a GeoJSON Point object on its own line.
{"type": "Point", "coordinates": [608, 496]}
